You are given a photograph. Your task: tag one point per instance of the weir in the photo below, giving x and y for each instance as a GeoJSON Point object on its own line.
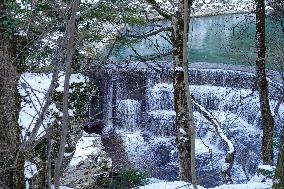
{"type": "Point", "coordinates": [138, 104]}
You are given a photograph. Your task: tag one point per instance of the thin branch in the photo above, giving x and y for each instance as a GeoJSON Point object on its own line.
{"type": "Point", "coordinates": [26, 146]}
{"type": "Point", "coordinates": [149, 34]}
{"type": "Point", "coordinates": [70, 49]}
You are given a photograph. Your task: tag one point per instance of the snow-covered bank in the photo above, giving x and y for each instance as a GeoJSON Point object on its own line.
{"type": "Point", "coordinates": [184, 185]}
{"type": "Point", "coordinates": [216, 7]}
{"type": "Point", "coordinates": [259, 181]}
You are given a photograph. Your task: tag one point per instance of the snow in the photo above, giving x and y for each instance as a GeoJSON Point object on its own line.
{"type": "Point", "coordinates": [182, 131]}
{"type": "Point", "coordinates": [183, 185]}
{"type": "Point", "coordinates": [179, 69]}
{"type": "Point", "coordinates": [212, 7]}
{"type": "Point", "coordinates": [165, 113]}
{"type": "Point", "coordinates": [169, 185]}
{"type": "Point", "coordinates": [86, 146]}
{"type": "Point", "coordinates": [61, 187]}
{"type": "Point", "coordinates": [33, 87]}
{"type": "Point", "coordinates": [266, 167]}
{"type": "Point", "coordinates": [30, 169]}
{"type": "Point", "coordinates": [90, 1]}
{"type": "Point", "coordinates": [250, 185]}
{"type": "Point", "coordinates": [225, 166]}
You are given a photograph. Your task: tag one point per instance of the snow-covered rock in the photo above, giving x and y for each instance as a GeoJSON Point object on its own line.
{"type": "Point", "coordinates": [88, 163]}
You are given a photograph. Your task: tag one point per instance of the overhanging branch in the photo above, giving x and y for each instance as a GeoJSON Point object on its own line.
{"type": "Point", "coordinates": [230, 155]}
{"type": "Point", "coordinates": [149, 34]}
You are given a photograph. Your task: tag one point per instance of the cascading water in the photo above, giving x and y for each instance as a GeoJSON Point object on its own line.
{"type": "Point", "coordinates": [107, 101]}
{"type": "Point", "coordinates": [160, 97]}
{"type": "Point", "coordinates": [143, 103]}
{"type": "Point", "coordinates": [128, 112]}
{"type": "Point", "coordinates": [160, 109]}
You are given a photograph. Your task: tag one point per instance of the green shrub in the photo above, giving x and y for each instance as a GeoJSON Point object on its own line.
{"type": "Point", "coordinates": [125, 179]}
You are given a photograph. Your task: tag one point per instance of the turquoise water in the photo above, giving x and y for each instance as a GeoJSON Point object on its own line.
{"type": "Point", "coordinates": [219, 39]}
{"type": "Point", "coordinates": [231, 39]}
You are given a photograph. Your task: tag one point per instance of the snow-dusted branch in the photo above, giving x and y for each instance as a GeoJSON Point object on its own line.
{"type": "Point", "coordinates": [229, 159]}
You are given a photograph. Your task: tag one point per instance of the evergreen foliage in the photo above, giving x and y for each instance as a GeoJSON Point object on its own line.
{"type": "Point", "coordinates": [125, 179]}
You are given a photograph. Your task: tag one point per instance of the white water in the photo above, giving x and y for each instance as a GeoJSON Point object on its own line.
{"type": "Point", "coordinates": [146, 121]}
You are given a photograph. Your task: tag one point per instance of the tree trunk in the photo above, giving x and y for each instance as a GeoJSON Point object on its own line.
{"type": "Point", "coordinates": [279, 172]}
{"type": "Point", "coordinates": [187, 92]}
{"type": "Point", "coordinates": [11, 169]}
{"type": "Point", "coordinates": [69, 51]}
{"type": "Point", "coordinates": [266, 116]}
{"type": "Point", "coordinates": [184, 119]}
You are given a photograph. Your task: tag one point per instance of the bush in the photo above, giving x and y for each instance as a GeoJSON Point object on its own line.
{"type": "Point", "coordinates": [126, 179]}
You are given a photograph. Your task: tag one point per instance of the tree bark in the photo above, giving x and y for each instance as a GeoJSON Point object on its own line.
{"type": "Point", "coordinates": [184, 117]}
{"type": "Point", "coordinates": [187, 92]}
{"type": "Point", "coordinates": [266, 116]}
{"type": "Point", "coordinates": [11, 169]}
{"type": "Point", "coordinates": [278, 182]}
{"type": "Point", "coordinates": [69, 51]}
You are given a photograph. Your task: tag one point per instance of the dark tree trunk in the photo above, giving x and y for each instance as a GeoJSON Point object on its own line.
{"type": "Point", "coordinates": [279, 172]}
{"type": "Point", "coordinates": [266, 116]}
{"type": "Point", "coordinates": [183, 119]}
{"type": "Point", "coordinates": [11, 163]}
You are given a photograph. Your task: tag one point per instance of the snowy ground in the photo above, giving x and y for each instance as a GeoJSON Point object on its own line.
{"type": "Point", "coordinates": [183, 185]}
{"type": "Point", "coordinates": [257, 182]}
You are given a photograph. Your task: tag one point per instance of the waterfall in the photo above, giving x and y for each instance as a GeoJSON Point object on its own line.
{"type": "Point", "coordinates": [107, 100]}
{"type": "Point", "coordinates": [161, 122]}
{"type": "Point", "coordinates": [160, 109]}
{"type": "Point", "coordinates": [141, 95]}
{"type": "Point", "coordinates": [128, 112]}
{"type": "Point", "coordinates": [139, 98]}
{"type": "Point", "coordinates": [160, 97]}
{"type": "Point", "coordinates": [243, 102]}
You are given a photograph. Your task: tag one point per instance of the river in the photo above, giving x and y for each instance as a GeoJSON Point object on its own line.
{"type": "Point", "coordinates": [220, 39]}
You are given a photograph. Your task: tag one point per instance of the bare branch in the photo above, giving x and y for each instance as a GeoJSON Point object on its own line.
{"type": "Point", "coordinates": [26, 145]}
{"type": "Point", "coordinates": [149, 34]}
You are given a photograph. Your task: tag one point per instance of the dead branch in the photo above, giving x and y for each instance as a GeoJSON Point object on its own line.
{"type": "Point", "coordinates": [229, 159]}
